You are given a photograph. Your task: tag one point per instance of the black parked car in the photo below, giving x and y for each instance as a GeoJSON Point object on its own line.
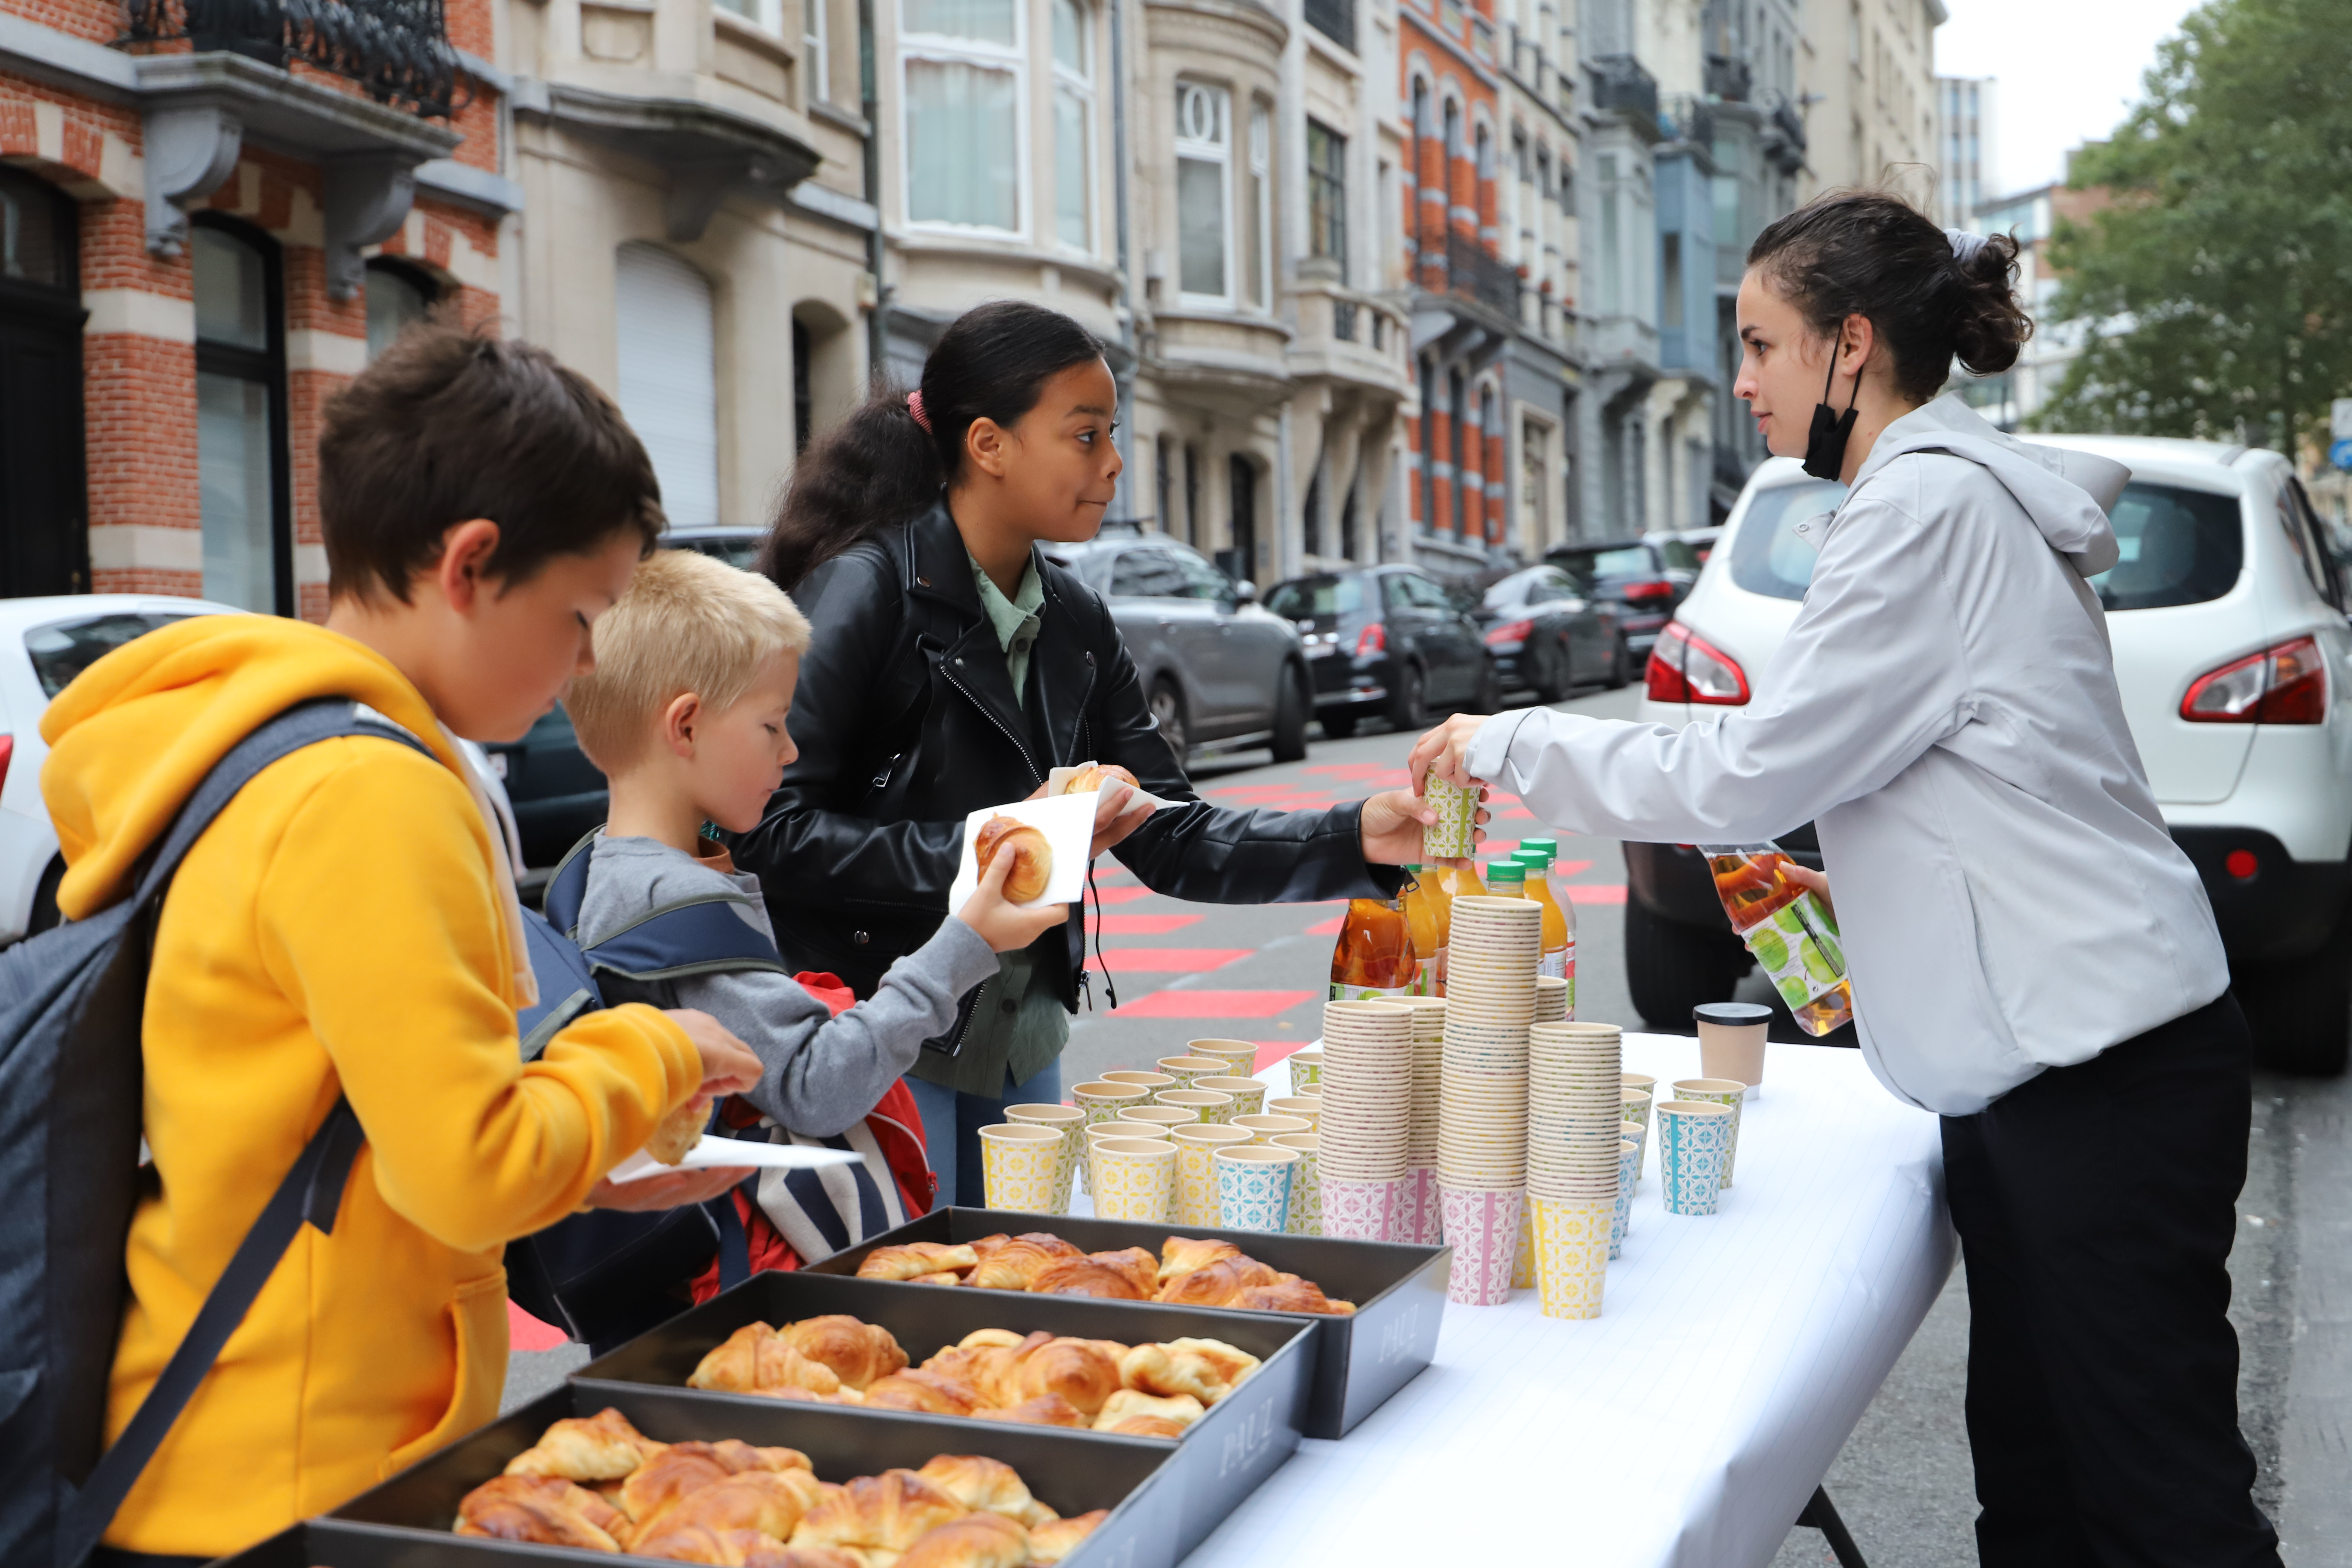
{"type": "Point", "coordinates": [1645, 578]}
{"type": "Point", "coordinates": [1547, 636]}
{"type": "Point", "coordinates": [1386, 640]}
{"type": "Point", "coordinates": [1214, 665]}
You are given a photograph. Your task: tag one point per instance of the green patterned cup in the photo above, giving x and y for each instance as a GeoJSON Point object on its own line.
{"type": "Point", "coordinates": [1306, 1183]}
{"type": "Point", "coordinates": [1249, 1095]}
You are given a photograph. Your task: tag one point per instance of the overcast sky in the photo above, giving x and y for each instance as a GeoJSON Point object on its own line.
{"type": "Point", "coordinates": [2067, 70]}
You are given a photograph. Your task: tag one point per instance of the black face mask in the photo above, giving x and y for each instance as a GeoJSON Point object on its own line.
{"type": "Point", "coordinates": [1825, 442]}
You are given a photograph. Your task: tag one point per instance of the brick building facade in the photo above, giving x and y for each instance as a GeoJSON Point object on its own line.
{"type": "Point", "coordinates": [200, 239]}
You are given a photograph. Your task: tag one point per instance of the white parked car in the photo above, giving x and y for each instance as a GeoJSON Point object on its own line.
{"type": "Point", "coordinates": [2234, 657]}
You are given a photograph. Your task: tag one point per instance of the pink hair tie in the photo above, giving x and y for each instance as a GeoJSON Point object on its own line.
{"type": "Point", "coordinates": [915, 410]}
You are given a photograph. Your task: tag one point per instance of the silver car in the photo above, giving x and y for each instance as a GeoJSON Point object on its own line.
{"type": "Point", "coordinates": [1214, 665]}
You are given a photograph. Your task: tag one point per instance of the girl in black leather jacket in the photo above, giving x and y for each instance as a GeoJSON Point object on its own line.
{"type": "Point", "coordinates": [952, 666]}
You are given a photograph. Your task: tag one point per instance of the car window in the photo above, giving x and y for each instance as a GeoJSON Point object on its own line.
{"type": "Point", "coordinates": [1678, 556]}
{"type": "Point", "coordinates": [1633, 560]}
{"type": "Point", "coordinates": [1199, 580]}
{"type": "Point", "coordinates": [1146, 574]}
{"type": "Point", "coordinates": [1423, 593]}
{"type": "Point", "coordinates": [1551, 583]}
{"type": "Point", "coordinates": [1394, 595]}
{"type": "Point", "coordinates": [2310, 540]}
{"type": "Point", "coordinates": [65, 649]}
{"type": "Point", "coordinates": [1509, 592]}
{"type": "Point", "coordinates": [1318, 597]}
{"type": "Point", "coordinates": [1768, 557]}
{"type": "Point", "coordinates": [2178, 547]}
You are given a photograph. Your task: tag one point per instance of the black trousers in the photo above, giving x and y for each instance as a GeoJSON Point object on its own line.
{"type": "Point", "coordinates": [2096, 1205]}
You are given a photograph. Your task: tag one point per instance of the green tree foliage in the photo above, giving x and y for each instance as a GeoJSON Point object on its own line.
{"type": "Point", "coordinates": [2215, 293]}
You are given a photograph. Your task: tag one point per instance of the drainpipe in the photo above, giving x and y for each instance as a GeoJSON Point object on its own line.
{"type": "Point", "coordinates": [1125, 436]}
{"type": "Point", "coordinates": [870, 105]}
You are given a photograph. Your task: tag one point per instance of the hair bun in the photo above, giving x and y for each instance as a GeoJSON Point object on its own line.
{"type": "Point", "coordinates": [1990, 324]}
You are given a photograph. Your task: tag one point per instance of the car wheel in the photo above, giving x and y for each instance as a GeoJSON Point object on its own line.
{"type": "Point", "coordinates": [1338, 725]}
{"type": "Point", "coordinates": [1488, 697]}
{"type": "Point", "coordinates": [1292, 709]}
{"type": "Point", "coordinates": [1555, 675]}
{"type": "Point", "coordinates": [44, 914]}
{"type": "Point", "coordinates": [1409, 703]}
{"type": "Point", "coordinates": [1671, 968]}
{"type": "Point", "coordinates": [1168, 712]}
{"type": "Point", "coordinates": [1620, 666]}
{"type": "Point", "coordinates": [2301, 1009]}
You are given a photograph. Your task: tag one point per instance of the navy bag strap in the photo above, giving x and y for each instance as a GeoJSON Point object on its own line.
{"type": "Point", "coordinates": [311, 1192]}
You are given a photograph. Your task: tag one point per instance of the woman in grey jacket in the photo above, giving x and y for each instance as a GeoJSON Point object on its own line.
{"type": "Point", "coordinates": [2032, 957]}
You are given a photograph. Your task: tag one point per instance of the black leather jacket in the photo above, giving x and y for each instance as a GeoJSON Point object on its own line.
{"type": "Point", "coordinates": [906, 722]}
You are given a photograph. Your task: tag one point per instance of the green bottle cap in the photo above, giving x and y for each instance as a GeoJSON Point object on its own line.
{"type": "Point", "coordinates": [1507, 871]}
{"type": "Point", "coordinates": [1537, 860]}
{"type": "Point", "coordinates": [1552, 845]}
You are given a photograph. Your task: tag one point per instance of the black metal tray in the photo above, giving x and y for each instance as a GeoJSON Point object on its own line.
{"type": "Point", "coordinates": [404, 1522]}
{"type": "Point", "coordinates": [1359, 1361]}
{"type": "Point", "coordinates": [1225, 1456]}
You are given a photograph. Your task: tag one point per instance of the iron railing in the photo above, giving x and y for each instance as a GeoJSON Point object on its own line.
{"type": "Point", "coordinates": [1468, 268]}
{"type": "Point", "coordinates": [1343, 319]}
{"type": "Point", "coordinates": [1729, 80]}
{"type": "Point", "coordinates": [1688, 119]}
{"type": "Point", "coordinates": [397, 50]}
{"type": "Point", "coordinates": [1335, 19]}
{"type": "Point", "coordinates": [1621, 83]}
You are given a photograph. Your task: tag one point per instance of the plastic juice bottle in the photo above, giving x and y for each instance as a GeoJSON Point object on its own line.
{"type": "Point", "coordinates": [1429, 914]}
{"type": "Point", "coordinates": [1457, 879]}
{"type": "Point", "coordinates": [1792, 934]}
{"type": "Point", "coordinates": [1374, 956]}
{"type": "Point", "coordinates": [1506, 880]}
{"type": "Point", "coordinates": [1559, 920]}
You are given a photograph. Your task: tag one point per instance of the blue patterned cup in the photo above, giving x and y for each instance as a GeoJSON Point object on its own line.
{"type": "Point", "coordinates": [1253, 1186]}
{"type": "Point", "coordinates": [1693, 1141]}
{"type": "Point", "coordinates": [1629, 1162]}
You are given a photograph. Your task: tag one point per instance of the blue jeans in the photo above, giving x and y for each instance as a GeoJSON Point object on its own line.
{"type": "Point", "coordinates": [952, 1121]}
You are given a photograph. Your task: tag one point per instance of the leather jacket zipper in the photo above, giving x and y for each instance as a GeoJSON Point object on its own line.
{"type": "Point", "coordinates": [949, 671]}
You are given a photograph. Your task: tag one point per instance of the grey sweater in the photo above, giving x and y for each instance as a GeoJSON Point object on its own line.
{"type": "Point", "coordinates": [823, 1073]}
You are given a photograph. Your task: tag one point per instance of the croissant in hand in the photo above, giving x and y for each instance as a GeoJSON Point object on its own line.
{"type": "Point", "coordinates": [1095, 776]}
{"type": "Point", "coordinates": [1032, 861]}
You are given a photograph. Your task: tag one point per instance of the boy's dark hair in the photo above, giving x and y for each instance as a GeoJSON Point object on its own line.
{"type": "Point", "coordinates": [877, 468]}
{"type": "Point", "coordinates": [1871, 253]}
{"type": "Point", "coordinates": [449, 425]}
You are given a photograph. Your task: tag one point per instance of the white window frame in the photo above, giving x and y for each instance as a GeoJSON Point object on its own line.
{"type": "Point", "coordinates": [1218, 150]}
{"type": "Point", "coordinates": [768, 16]}
{"type": "Point", "coordinates": [1261, 174]}
{"type": "Point", "coordinates": [1082, 89]}
{"type": "Point", "coordinates": [943, 49]}
{"type": "Point", "coordinates": [816, 57]}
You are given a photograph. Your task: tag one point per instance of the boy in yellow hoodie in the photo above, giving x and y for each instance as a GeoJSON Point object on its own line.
{"type": "Point", "coordinates": [348, 925]}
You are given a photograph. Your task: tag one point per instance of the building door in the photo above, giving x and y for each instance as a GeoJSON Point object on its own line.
{"type": "Point", "coordinates": [44, 536]}
{"type": "Point", "coordinates": [670, 378]}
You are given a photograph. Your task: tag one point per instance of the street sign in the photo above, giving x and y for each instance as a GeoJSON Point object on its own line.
{"type": "Point", "coordinates": [2339, 453]}
{"type": "Point", "coordinates": [2340, 419]}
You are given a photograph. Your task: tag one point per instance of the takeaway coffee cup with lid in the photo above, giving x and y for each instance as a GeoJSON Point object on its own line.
{"type": "Point", "coordinates": [1731, 1041]}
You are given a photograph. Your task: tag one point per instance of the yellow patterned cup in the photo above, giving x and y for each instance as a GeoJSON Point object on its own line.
{"type": "Point", "coordinates": [1206, 1105]}
{"type": "Point", "coordinates": [1305, 1071]}
{"type": "Point", "coordinates": [1305, 1183]}
{"type": "Point", "coordinates": [1102, 1100]}
{"type": "Point", "coordinates": [1308, 1106]}
{"type": "Point", "coordinates": [1523, 1261]}
{"type": "Point", "coordinates": [1724, 1091]}
{"type": "Point", "coordinates": [1249, 1095]}
{"type": "Point", "coordinates": [1069, 1122]}
{"type": "Point", "coordinates": [1571, 1254]}
{"type": "Point", "coordinates": [1197, 1199]}
{"type": "Point", "coordinates": [1020, 1164]}
{"type": "Point", "coordinates": [1136, 1180]}
{"type": "Point", "coordinates": [1095, 1132]}
{"type": "Point", "coordinates": [1184, 1069]}
{"type": "Point", "coordinates": [1141, 1080]}
{"type": "Point", "coordinates": [1263, 1129]}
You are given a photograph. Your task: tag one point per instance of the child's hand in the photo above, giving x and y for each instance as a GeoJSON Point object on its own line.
{"type": "Point", "coordinates": [729, 1065]}
{"type": "Point", "coordinates": [1007, 926]}
{"type": "Point", "coordinates": [1119, 810]}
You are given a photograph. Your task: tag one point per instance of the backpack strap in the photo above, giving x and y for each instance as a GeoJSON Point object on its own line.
{"type": "Point", "coordinates": [311, 1192]}
{"type": "Point", "coordinates": [701, 935]}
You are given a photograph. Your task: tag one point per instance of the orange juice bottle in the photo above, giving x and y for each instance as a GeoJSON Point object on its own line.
{"type": "Point", "coordinates": [1429, 914]}
{"type": "Point", "coordinates": [1558, 921]}
{"type": "Point", "coordinates": [1457, 879]}
{"type": "Point", "coordinates": [1374, 956]}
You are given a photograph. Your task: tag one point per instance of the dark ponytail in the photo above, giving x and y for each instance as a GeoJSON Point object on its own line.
{"type": "Point", "coordinates": [878, 467]}
{"type": "Point", "coordinates": [1867, 253]}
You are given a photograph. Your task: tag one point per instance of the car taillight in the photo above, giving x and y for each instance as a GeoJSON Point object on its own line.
{"type": "Point", "coordinates": [1373, 638]}
{"type": "Point", "coordinates": [2281, 685]}
{"type": "Point", "coordinates": [7, 750]}
{"type": "Point", "coordinates": [1511, 631]}
{"type": "Point", "coordinates": [1643, 592]}
{"type": "Point", "coordinates": [1684, 667]}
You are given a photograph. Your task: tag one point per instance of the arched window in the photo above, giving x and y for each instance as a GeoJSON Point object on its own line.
{"type": "Point", "coordinates": [1204, 138]}
{"type": "Point", "coordinates": [669, 377]}
{"type": "Point", "coordinates": [397, 295]}
{"type": "Point", "coordinates": [44, 546]}
{"type": "Point", "coordinates": [249, 549]}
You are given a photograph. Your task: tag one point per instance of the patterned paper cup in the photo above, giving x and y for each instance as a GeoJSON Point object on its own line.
{"type": "Point", "coordinates": [1305, 1070]}
{"type": "Point", "coordinates": [1309, 1106]}
{"type": "Point", "coordinates": [1628, 1164]}
{"type": "Point", "coordinates": [1635, 1105]}
{"type": "Point", "coordinates": [1253, 1186]}
{"type": "Point", "coordinates": [1483, 1228]}
{"type": "Point", "coordinates": [1198, 1200]}
{"type": "Point", "coordinates": [1306, 1183]}
{"type": "Point", "coordinates": [1137, 1178]}
{"type": "Point", "coordinates": [1453, 836]}
{"type": "Point", "coordinates": [1163, 1116]}
{"type": "Point", "coordinates": [1102, 1100]}
{"type": "Point", "coordinates": [1146, 1081]}
{"type": "Point", "coordinates": [1728, 1092]}
{"type": "Point", "coordinates": [1248, 1094]}
{"type": "Point", "coordinates": [1523, 1256]}
{"type": "Point", "coordinates": [1094, 1133]}
{"type": "Point", "coordinates": [1693, 1139]}
{"type": "Point", "coordinates": [1358, 1210]}
{"type": "Point", "coordinates": [1571, 1255]}
{"type": "Point", "coordinates": [1639, 1133]}
{"type": "Point", "coordinates": [1206, 1105]}
{"type": "Point", "coordinates": [1240, 1055]}
{"type": "Point", "coordinates": [1420, 1218]}
{"type": "Point", "coordinates": [1019, 1164]}
{"type": "Point", "coordinates": [1263, 1129]}
{"type": "Point", "coordinates": [1069, 1122]}
{"type": "Point", "coordinates": [1184, 1069]}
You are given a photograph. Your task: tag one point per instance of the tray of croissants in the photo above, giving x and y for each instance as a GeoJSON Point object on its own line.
{"type": "Point", "coordinates": [663, 1476]}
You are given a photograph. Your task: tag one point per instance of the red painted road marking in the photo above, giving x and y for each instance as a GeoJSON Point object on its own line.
{"type": "Point", "coordinates": [1172, 959]}
{"type": "Point", "coordinates": [1176, 1004]}
{"type": "Point", "coordinates": [1271, 1051]}
{"type": "Point", "coordinates": [525, 1332]}
{"type": "Point", "coordinates": [1332, 927]}
{"type": "Point", "coordinates": [1121, 895]}
{"type": "Point", "coordinates": [1594, 893]}
{"type": "Point", "coordinates": [1570, 867]}
{"type": "Point", "coordinates": [1143, 925]}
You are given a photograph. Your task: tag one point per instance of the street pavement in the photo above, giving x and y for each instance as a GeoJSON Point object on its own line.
{"type": "Point", "coordinates": [1903, 1483]}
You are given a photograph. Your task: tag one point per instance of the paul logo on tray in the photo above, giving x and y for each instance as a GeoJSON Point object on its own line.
{"type": "Point", "coordinates": [1247, 1439]}
{"type": "Point", "coordinates": [1401, 1334]}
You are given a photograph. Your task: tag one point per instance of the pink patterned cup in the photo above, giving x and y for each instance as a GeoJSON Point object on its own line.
{"type": "Point", "coordinates": [1359, 1211]}
{"type": "Point", "coordinates": [1483, 1228]}
{"type": "Point", "coordinates": [1420, 1219]}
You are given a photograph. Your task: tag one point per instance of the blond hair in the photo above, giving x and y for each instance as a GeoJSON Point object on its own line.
{"type": "Point", "coordinates": [689, 622]}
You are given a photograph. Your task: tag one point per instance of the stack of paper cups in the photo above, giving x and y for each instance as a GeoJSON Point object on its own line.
{"type": "Point", "coordinates": [1482, 1117]}
{"type": "Point", "coordinates": [1419, 1219]}
{"type": "Point", "coordinates": [1552, 999]}
{"type": "Point", "coordinates": [1575, 1105]}
{"type": "Point", "coordinates": [1365, 1117]}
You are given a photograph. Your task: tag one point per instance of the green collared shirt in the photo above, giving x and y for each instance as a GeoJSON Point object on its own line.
{"type": "Point", "coordinates": [1017, 1027]}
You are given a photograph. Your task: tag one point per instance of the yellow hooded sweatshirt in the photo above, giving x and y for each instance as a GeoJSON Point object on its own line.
{"type": "Point", "coordinates": [336, 930]}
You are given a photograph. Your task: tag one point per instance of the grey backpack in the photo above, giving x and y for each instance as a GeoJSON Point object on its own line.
{"type": "Point", "coordinates": [71, 1000]}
